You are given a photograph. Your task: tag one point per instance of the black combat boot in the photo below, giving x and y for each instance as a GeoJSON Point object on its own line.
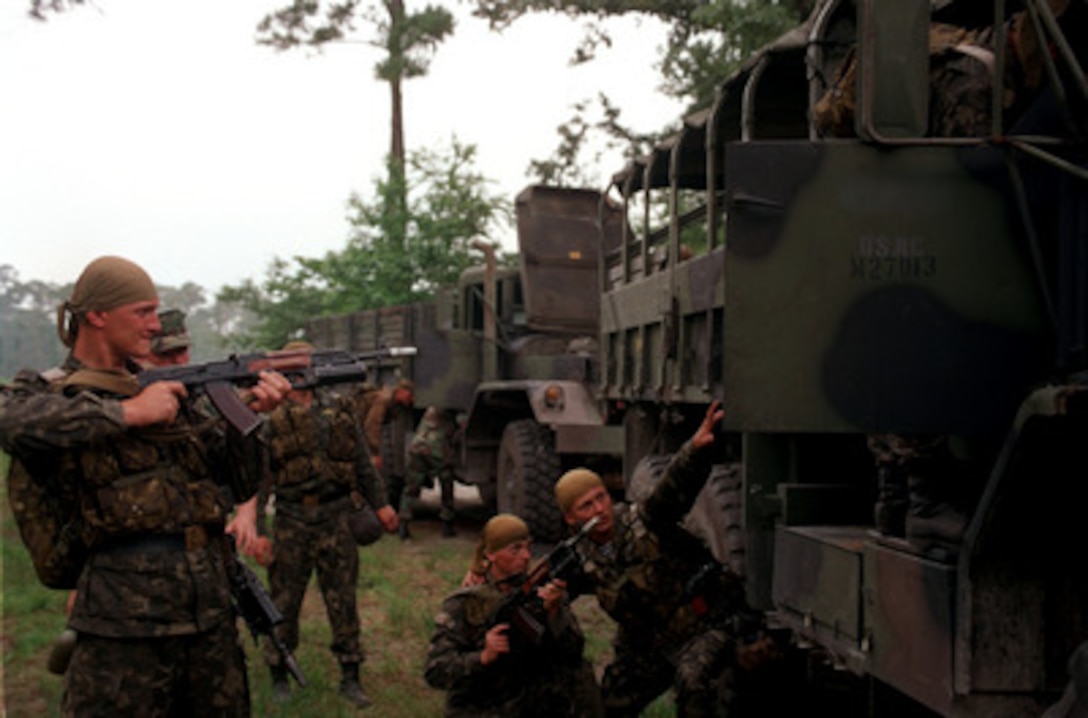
{"type": "Point", "coordinates": [349, 685]}
{"type": "Point", "coordinates": [447, 529]}
{"type": "Point", "coordinates": [935, 524]}
{"type": "Point", "coordinates": [402, 530]}
{"type": "Point", "coordinates": [281, 689]}
{"type": "Point", "coordinates": [890, 510]}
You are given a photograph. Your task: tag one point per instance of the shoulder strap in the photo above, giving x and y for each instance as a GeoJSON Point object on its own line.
{"type": "Point", "coordinates": [115, 382]}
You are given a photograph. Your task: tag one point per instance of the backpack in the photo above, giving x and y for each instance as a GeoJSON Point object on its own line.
{"type": "Point", "coordinates": [49, 524]}
{"type": "Point", "coordinates": [46, 509]}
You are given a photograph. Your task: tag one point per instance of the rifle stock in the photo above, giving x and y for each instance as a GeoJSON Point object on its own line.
{"type": "Point", "coordinates": [305, 369]}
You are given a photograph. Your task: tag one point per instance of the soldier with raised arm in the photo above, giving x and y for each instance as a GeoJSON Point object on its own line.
{"type": "Point", "coordinates": [673, 603]}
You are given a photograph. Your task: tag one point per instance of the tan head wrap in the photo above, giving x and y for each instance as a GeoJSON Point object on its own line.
{"type": "Point", "coordinates": [106, 283]}
{"type": "Point", "coordinates": [573, 484]}
{"type": "Point", "coordinates": [500, 531]}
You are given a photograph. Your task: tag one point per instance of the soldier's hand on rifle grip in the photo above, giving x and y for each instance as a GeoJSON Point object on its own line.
{"type": "Point", "coordinates": [551, 593]}
{"type": "Point", "coordinates": [496, 643]}
{"type": "Point", "coordinates": [705, 434]}
{"type": "Point", "coordinates": [269, 392]}
{"type": "Point", "coordinates": [157, 403]}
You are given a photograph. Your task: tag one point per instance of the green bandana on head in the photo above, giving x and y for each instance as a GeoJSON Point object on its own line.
{"type": "Point", "coordinates": [106, 283]}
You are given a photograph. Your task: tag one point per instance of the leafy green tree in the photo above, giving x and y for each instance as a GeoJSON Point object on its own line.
{"type": "Point", "coordinates": [41, 9]}
{"type": "Point", "coordinates": [449, 204]}
{"type": "Point", "coordinates": [28, 331]}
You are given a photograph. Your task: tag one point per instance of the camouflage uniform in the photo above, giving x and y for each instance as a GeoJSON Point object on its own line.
{"type": "Point", "coordinates": [549, 680]}
{"type": "Point", "coordinates": [316, 459]}
{"type": "Point", "coordinates": [430, 455]}
{"type": "Point", "coordinates": [672, 602]}
{"type": "Point", "coordinates": [157, 632]}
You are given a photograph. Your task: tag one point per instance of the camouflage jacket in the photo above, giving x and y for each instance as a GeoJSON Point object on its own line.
{"type": "Point", "coordinates": [146, 503]}
{"type": "Point", "coordinates": [432, 438]}
{"type": "Point", "coordinates": [316, 454]}
{"type": "Point", "coordinates": [654, 578]}
{"type": "Point", "coordinates": [517, 681]}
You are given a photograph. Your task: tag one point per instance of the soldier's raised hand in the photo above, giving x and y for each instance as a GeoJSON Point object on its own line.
{"type": "Point", "coordinates": [704, 435]}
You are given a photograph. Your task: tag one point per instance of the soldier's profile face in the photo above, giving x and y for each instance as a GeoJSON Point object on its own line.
{"type": "Point", "coordinates": [129, 328]}
{"type": "Point", "coordinates": [510, 560]}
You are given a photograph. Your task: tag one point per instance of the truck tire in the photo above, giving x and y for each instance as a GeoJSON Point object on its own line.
{"type": "Point", "coordinates": [716, 518]}
{"type": "Point", "coordinates": [528, 468]}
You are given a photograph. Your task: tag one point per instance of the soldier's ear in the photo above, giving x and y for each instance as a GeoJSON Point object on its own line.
{"type": "Point", "coordinates": [95, 319]}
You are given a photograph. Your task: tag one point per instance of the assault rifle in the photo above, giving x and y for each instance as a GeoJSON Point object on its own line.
{"type": "Point", "coordinates": [256, 608]}
{"type": "Point", "coordinates": [305, 369]}
{"type": "Point", "coordinates": [522, 608]}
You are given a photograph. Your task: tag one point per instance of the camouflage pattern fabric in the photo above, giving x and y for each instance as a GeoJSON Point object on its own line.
{"type": "Point", "coordinates": [195, 675]}
{"type": "Point", "coordinates": [429, 457]}
{"type": "Point", "coordinates": [960, 78]}
{"type": "Point", "coordinates": [151, 575]}
{"type": "Point", "coordinates": [550, 680]}
{"type": "Point", "coordinates": [673, 630]}
{"type": "Point", "coordinates": [316, 456]}
{"type": "Point", "coordinates": [308, 540]}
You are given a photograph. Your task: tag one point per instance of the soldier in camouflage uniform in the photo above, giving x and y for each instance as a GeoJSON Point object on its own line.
{"type": "Point", "coordinates": [169, 347]}
{"type": "Point", "coordinates": [317, 459]}
{"type": "Point", "coordinates": [486, 668]}
{"type": "Point", "coordinates": [430, 455]}
{"type": "Point", "coordinates": [142, 489]}
{"type": "Point", "coordinates": [673, 604]}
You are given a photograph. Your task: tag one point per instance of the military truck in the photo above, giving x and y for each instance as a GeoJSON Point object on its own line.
{"type": "Point", "coordinates": [864, 243]}
{"type": "Point", "coordinates": [510, 355]}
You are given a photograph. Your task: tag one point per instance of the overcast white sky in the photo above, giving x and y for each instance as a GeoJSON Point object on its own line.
{"type": "Point", "coordinates": [158, 129]}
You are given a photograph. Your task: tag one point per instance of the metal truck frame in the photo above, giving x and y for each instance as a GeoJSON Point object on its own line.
{"type": "Point", "coordinates": [510, 355]}
{"type": "Point", "coordinates": [881, 282]}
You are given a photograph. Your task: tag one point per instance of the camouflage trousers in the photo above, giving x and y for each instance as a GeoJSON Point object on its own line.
{"type": "Point", "coordinates": [638, 675]}
{"type": "Point", "coordinates": [308, 540]}
{"type": "Point", "coordinates": [196, 675]}
{"type": "Point", "coordinates": [421, 468]}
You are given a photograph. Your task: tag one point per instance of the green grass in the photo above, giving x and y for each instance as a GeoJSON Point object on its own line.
{"type": "Point", "coordinates": [401, 586]}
